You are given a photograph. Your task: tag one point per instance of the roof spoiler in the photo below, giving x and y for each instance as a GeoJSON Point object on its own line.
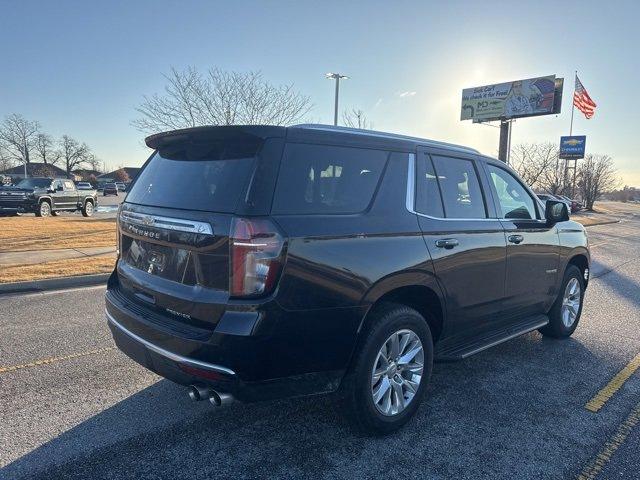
{"type": "Point", "coordinates": [213, 133]}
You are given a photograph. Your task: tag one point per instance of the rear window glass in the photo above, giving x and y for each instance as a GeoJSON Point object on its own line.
{"type": "Point", "coordinates": [460, 188]}
{"type": "Point", "coordinates": [194, 179]}
{"type": "Point", "coordinates": [322, 179]}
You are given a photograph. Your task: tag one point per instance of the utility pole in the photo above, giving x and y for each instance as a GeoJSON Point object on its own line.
{"type": "Point", "coordinates": [337, 77]}
{"type": "Point", "coordinates": [505, 140]}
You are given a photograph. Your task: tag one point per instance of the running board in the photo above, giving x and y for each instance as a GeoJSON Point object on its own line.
{"type": "Point", "coordinates": [463, 349]}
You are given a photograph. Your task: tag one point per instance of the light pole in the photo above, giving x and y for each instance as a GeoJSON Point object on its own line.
{"type": "Point", "coordinates": [337, 77]}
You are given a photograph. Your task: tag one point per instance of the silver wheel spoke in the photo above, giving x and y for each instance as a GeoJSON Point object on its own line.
{"type": "Point", "coordinates": [410, 355]}
{"type": "Point", "coordinates": [382, 389]}
{"type": "Point", "coordinates": [395, 346]}
{"type": "Point", "coordinates": [399, 397]}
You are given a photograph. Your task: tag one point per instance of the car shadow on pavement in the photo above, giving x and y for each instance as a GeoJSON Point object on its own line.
{"type": "Point", "coordinates": [493, 407]}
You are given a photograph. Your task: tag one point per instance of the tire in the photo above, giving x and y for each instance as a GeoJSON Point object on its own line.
{"type": "Point", "coordinates": [565, 313]}
{"type": "Point", "coordinates": [362, 382]}
{"type": "Point", "coordinates": [87, 209]}
{"type": "Point", "coordinates": [44, 209]}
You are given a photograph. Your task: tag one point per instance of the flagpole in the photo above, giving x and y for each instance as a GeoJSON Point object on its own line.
{"type": "Point", "coordinates": [575, 162]}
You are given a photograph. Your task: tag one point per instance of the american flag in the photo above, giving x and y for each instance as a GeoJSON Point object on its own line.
{"type": "Point", "coordinates": [582, 100]}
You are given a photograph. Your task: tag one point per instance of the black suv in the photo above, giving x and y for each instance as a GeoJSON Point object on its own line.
{"type": "Point", "coordinates": [262, 262]}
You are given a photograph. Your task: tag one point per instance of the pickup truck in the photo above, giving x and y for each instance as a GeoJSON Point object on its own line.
{"type": "Point", "coordinates": [46, 196]}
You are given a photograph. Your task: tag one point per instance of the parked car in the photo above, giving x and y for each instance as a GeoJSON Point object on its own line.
{"type": "Point", "coordinates": [575, 205]}
{"type": "Point", "coordinates": [556, 198]}
{"type": "Point", "coordinates": [316, 259]}
{"type": "Point", "coordinates": [84, 186]}
{"type": "Point", "coordinates": [46, 196]}
{"type": "Point", "coordinates": [110, 189]}
{"type": "Point", "coordinates": [121, 186]}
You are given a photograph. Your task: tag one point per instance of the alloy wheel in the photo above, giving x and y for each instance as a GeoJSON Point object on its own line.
{"type": "Point", "coordinates": [397, 372]}
{"type": "Point", "coordinates": [570, 303]}
{"type": "Point", "coordinates": [45, 209]}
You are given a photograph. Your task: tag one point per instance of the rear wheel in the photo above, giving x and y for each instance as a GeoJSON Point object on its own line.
{"type": "Point", "coordinates": [391, 370]}
{"type": "Point", "coordinates": [87, 210]}
{"type": "Point", "coordinates": [44, 209]}
{"type": "Point", "coordinates": [565, 313]}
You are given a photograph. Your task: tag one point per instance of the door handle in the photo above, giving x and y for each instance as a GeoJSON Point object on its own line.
{"type": "Point", "coordinates": [515, 238]}
{"type": "Point", "coordinates": [447, 243]}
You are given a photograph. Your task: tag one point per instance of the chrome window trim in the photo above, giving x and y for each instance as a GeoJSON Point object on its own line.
{"type": "Point", "coordinates": [410, 202]}
{"type": "Point", "coordinates": [166, 353]}
{"type": "Point", "coordinates": [166, 223]}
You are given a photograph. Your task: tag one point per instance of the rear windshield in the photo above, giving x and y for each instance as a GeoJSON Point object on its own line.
{"type": "Point", "coordinates": [323, 179]}
{"type": "Point", "coordinates": [195, 177]}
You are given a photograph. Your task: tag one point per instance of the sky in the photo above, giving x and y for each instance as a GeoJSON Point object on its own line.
{"type": "Point", "coordinates": [81, 68]}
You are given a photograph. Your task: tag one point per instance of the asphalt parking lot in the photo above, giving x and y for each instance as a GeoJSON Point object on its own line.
{"type": "Point", "coordinates": [516, 411]}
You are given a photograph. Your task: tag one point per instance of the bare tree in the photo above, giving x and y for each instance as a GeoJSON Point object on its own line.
{"type": "Point", "coordinates": [73, 153]}
{"type": "Point", "coordinates": [536, 163]}
{"type": "Point", "coordinates": [18, 136]}
{"type": "Point", "coordinates": [93, 161]}
{"type": "Point", "coordinates": [45, 150]}
{"type": "Point", "coordinates": [356, 118]}
{"type": "Point", "coordinates": [217, 97]}
{"type": "Point", "coordinates": [596, 175]}
{"type": "Point", "coordinates": [6, 161]}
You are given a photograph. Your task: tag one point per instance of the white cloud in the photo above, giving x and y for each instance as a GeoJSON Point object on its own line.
{"type": "Point", "coordinates": [407, 94]}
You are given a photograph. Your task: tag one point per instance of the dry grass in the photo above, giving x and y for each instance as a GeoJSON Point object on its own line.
{"type": "Point", "coordinates": [59, 268]}
{"type": "Point", "coordinates": [31, 233]}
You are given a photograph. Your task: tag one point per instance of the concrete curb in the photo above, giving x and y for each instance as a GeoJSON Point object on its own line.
{"type": "Point", "coordinates": [604, 222]}
{"type": "Point", "coordinates": [54, 284]}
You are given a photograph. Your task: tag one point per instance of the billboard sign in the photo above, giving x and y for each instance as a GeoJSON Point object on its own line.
{"type": "Point", "coordinates": [521, 98]}
{"type": "Point", "coordinates": [572, 148]}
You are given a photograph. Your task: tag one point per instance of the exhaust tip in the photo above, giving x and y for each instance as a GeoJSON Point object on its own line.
{"type": "Point", "coordinates": [198, 393]}
{"type": "Point", "coordinates": [194, 395]}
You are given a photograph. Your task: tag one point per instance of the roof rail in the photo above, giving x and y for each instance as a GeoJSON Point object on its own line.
{"type": "Point", "coordinates": [375, 133]}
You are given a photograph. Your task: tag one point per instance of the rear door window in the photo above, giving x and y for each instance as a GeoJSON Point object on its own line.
{"type": "Point", "coordinates": [428, 200]}
{"type": "Point", "coordinates": [323, 179]}
{"type": "Point", "coordinates": [461, 192]}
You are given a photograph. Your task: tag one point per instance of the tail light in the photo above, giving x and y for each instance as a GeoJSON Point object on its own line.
{"type": "Point", "coordinates": [256, 258]}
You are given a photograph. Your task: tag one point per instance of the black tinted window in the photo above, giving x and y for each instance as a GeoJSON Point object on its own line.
{"type": "Point", "coordinates": [327, 179]}
{"type": "Point", "coordinates": [428, 200]}
{"type": "Point", "coordinates": [460, 188]}
{"type": "Point", "coordinates": [191, 182]}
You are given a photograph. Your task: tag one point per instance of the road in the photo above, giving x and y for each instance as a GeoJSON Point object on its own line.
{"type": "Point", "coordinates": [515, 411]}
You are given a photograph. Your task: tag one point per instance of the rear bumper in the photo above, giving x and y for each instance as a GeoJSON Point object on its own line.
{"type": "Point", "coordinates": [249, 367]}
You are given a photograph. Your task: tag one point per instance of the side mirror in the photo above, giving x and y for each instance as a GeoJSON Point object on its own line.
{"type": "Point", "coordinates": [555, 212]}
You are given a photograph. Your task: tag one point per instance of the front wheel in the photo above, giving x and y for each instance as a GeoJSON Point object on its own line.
{"type": "Point", "coordinates": [44, 209]}
{"type": "Point", "coordinates": [565, 313]}
{"type": "Point", "coordinates": [390, 372]}
{"type": "Point", "coordinates": [87, 210]}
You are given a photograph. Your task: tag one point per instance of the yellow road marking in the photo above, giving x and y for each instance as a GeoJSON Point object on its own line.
{"type": "Point", "coordinates": [598, 401]}
{"type": "Point", "coordinates": [47, 361]}
{"type": "Point", "coordinates": [595, 466]}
